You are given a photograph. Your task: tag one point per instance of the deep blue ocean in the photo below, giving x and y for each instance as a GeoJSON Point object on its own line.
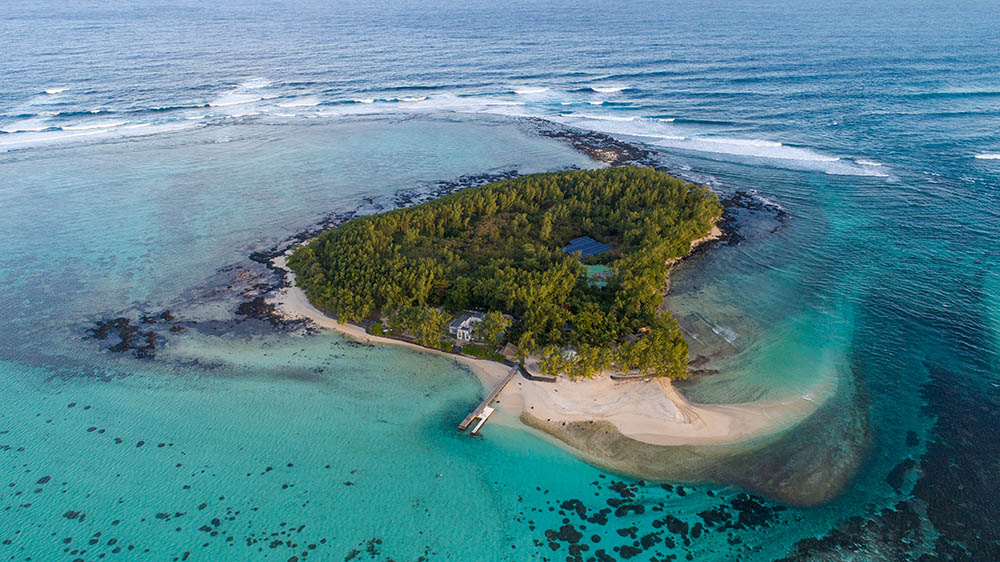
{"type": "Point", "coordinates": [147, 149]}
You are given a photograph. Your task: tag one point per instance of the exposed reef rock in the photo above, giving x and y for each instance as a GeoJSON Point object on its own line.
{"type": "Point", "coordinates": [600, 147]}
{"type": "Point", "coordinates": [131, 338]}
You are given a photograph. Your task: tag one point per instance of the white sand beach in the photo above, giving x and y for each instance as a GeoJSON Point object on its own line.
{"type": "Point", "coordinates": [646, 410]}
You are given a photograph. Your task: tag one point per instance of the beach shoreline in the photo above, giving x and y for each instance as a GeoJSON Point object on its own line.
{"type": "Point", "coordinates": [647, 410]}
{"type": "Point", "coordinates": [641, 428]}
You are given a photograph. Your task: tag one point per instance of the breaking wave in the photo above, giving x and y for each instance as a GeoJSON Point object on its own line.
{"type": "Point", "coordinates": [608, 89]}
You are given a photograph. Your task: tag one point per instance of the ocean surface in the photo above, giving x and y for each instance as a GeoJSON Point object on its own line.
{"type": "Point", "coordinates": [147, 149]}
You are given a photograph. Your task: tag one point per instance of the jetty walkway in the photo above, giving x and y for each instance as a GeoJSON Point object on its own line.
{"type": "Point", "coordinates": [483, 410]}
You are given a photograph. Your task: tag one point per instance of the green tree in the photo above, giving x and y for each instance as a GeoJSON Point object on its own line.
{"type": "Point", "coordinates": [545, 230]}
{"type": "Point", "coordinates": [552, 361]}
{"type": "Point", "coordinates": [431, 326]}
{"type": "Point", "coordinates": [493, 328]}
{"type": "Point", "coordinates": [526, 345]}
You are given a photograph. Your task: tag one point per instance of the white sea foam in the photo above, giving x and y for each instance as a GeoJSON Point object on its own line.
{"type": "Point", "coordinates": [364, 100]}
{"type": "Point", "coordinates": [529, 90]}
{"type": "Point", "coordinates": [752, 148]}
{"type": "Point", "coordinates": [602, 117]}
{"type": "Point", "coordinates": [229, 100]}
{"type": "Point", "coordinates": [744, 142]}
{"type": "Point", "coordinates": [663, 133]}
{"type": "Point", "coordinates": [26, 126]}
{"type": "Point", "coordinates": [869, 163]}
{"type": "Point", "coordinates": [423, 105]}
{"type": "Point", "coordinates": [47, 138]}
{"type": "Point", "coordinates": [608, 89]}
{"type": "Point", "coordinates": [91, 125]}
{"type": "Point", "coordinates": [665, 119]}
{"type": "Point", "coordinates": [765, 200]}
{"type": "Point", "coordinates": [621, 125]}
{"type": "Point", "coordinates": [988, 156]}
{"type": "Point", "coordinates": [54, 91]}
{"type": "Point", "coordinates": [254, 83]}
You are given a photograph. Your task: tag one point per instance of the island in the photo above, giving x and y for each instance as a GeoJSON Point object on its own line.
{"type": "Point", "coordinates": [569, 266]}
{"type": "Point", "coordinates": [563, 275]}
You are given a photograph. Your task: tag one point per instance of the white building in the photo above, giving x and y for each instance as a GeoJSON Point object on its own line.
{"type": "Point", "coordinates": [463, 325]}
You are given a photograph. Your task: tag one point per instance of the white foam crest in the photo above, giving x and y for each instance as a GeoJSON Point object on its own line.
{"type": "Point", "coordinates": [988, 156]}
{"type": "Point", "coordinates": [765, 200]}
{"type": "Point", "coordinates": [48, 138]}
{"type": "Point", "coordinates": [621, 125]}
{"type": "Point", "coordinates": [665, 119]}
{"type": "Point", "coordinates": [54, 91]}
{"type": "Point", "coordinates": [769, 153]}
{"type": "Point", "coordinates": [869, 163]}
{"type": "Point", "coordinates": [744, 142]}
{"type": "Point", "coordinates": [529, 90]}
{"type": "Point", "coordinates": [663, 133]}
{"type": "Point", "coordinates": [364, 100]}
{"type": "Point", "coordinates": [842, 169]}
{"type": "Point", "coordinates": [229, 100]}
{"type": "Point", "coordinates": [608, 89]}
{"type": "Point", "coordinates": [91, 125]}
{"type": "Point", "coordinates": [602, 117]}
{"type": "Point", "coordinates": [255, 83]}
{"type": "Point", "coordinates": [752, 148]}
{"type": "Point", "coordinates": [423, 104]}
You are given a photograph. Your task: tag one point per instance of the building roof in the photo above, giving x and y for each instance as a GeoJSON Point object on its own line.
{"type": "Point", "coordinates": [456, 324]}
{"type": "Point", "coordinates": [458, 321]}
{"type": "Point", "coordinates": [587, 246]}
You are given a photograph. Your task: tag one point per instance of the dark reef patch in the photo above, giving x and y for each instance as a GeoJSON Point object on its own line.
{"type": "Point", "coordinates": [131, 338]}
{"type": "Point", "coordinates": [947, 493]}
{"type": "Point", "coordinates": [656, 532]}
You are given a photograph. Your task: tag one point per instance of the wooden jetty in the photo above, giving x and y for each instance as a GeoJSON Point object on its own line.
{"type": "Point", "coordinates": [483, 410]}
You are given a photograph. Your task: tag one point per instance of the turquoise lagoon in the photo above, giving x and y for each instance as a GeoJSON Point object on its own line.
{"type": "Point", "coordinates": [147, 150]}
{"type": "Point", "coordinates": [247, 435]}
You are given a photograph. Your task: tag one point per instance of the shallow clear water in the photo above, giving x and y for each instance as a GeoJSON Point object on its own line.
{"type": "Point", "coordinates": [145, 150]}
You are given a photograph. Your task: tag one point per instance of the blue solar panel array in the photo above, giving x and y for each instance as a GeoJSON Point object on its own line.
{"type": "Point", "coordinates": [587, 246]}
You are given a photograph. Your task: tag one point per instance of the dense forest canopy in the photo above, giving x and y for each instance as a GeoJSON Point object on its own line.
{"type": "Point", "coordinates": [498, 247]}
